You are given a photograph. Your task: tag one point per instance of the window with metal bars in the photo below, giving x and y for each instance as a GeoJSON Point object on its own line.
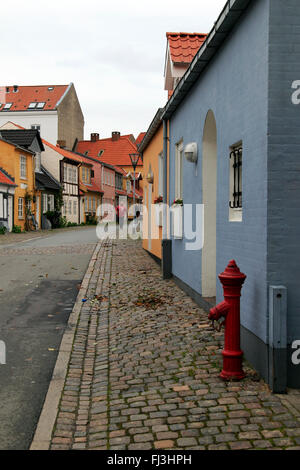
{"type": "Point", "coordinates": [236, 155]}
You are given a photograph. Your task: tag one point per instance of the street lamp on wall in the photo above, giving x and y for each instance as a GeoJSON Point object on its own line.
{"type": "Point", "coordinates": [134, 157]}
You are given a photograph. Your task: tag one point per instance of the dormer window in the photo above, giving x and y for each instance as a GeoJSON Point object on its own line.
{"type": "Point", "coordinates": [50, 88]}
{"type": "Point", "coordinates": [86, 153]}
{"type": "Point", "coordinates": [35, 105]}
{"type": "Point", "coordinates": [101, 152]}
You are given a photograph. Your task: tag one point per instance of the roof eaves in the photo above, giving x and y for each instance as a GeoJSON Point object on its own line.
{"type": "Point", "coordinates": [227, 19]}
{"type": "Point", "coordinates": [51, 176]}
{"type": "Point", "coordinates": [16, 146]}
{"type": "Point", "coordinates": [156, 122]}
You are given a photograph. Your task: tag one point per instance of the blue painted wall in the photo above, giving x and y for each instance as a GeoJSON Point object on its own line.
{"type": "Point", "coordinates": [283, 262]}
{"type": "Point", "coordinates": [235, 87]}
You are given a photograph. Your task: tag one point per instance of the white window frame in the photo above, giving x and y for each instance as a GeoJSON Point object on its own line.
{"type": "Point", "coordinates": [2, 206]}
{"type": "Point", "coordinates": [160, 174]}
{"type": "Point", "coordinates": [23, 167]}
{"type": "Point", "coordinates": [50, 202]}
{"type": "Point", "coordinates": [21, 208]}
{"type": "Point", "coordinates": [179, 170]}
{"type": "Point", "coordinates": [235, 214]}
{"type": "Point", "coordinates": [45, 203]}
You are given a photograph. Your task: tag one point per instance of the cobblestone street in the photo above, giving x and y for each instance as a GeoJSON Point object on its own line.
{"type": "Point", "coordinates": [144, 371]}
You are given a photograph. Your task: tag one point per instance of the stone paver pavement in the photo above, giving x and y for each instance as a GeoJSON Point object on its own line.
{"type": "Point", "coordinates": [143, 372]}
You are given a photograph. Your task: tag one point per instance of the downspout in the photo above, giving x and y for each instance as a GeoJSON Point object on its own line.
{"type": "Point", "coordinates": [166, 242]}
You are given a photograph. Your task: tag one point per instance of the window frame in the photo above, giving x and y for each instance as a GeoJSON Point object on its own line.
{"type": "Point", "coordinates": [179, 170]}
{"type": "Point", "coordinates": [236, 182]}
{"type": "Point", "coordinates": [23, 166]}
{"type": "Point", "coordinates": [20, 206]}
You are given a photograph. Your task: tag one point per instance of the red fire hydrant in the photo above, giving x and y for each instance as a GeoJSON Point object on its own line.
{"type": "Point", "coordinates": [228, 313]}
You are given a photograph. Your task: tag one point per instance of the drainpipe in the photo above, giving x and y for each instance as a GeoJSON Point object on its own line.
{"type": "Point", "coordinates": [166, 242]}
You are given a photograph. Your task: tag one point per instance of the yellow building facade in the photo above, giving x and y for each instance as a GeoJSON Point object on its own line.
{"type": "Point", "coordinates": [152, 149]}
{"type": "Point", "coordinates": [19, 163]}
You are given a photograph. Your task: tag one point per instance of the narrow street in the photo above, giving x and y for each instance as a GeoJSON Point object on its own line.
{"type": "Point", "coordinates": [143, 372]}
{"type": "Point", "coordinates": [38, 286]}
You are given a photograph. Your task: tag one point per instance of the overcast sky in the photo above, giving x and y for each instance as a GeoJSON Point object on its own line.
{"type": "Point", "coordinates": [113, 52]}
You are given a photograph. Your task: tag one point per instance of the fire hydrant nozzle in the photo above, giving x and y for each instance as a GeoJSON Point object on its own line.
{"type": "Point", "coordinates": [218, 314]}
{"type": "Point", "coordinates": [232, 280]}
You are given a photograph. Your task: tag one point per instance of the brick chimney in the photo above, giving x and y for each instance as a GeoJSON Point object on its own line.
{"type": "Point", "coordinates": [115, 136]}
{"type": "Point", "coordinates": [95, 137]}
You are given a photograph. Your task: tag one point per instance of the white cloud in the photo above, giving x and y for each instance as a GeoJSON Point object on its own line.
{"type": "Point", "coordinates": [112, 51]}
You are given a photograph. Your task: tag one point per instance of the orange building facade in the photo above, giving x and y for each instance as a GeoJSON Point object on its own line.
{"type": "Point", "coordinates": [19, 163]}
{"type": "Point", "coordinates": [152, 149]}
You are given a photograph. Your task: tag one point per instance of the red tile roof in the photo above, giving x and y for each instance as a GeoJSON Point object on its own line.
{"type": "Point", "coordinates": [122, 192]}
{"type": "Point", "coordinates": [115, 153]}
{"type": "Point", "coordinates": [140, 138]}
{"type": "Point", "coordinates": [29, 94]}
{"type": "Point", "coordinates": [93, 187]}
{"type": "Point", "coordinates": [5, 179]}
{"type": "Point", "coordinates": [184, 46]}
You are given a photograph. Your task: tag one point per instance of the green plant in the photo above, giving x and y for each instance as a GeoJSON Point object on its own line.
{"type": "Point", "coordinates": [17, 229]}
{"type": "Point", "coordinates": [62, 221]}
{"type": "Point", "coordinates": [3, 230]}
{"type": "Point", "coordinates": [57, 221]}
{"type": "Point", "coordinates": [178, 202]}
{"type": "Point", "coordinates": [91, 220]}
{"type": "Point", "coordinates": [58, 200]}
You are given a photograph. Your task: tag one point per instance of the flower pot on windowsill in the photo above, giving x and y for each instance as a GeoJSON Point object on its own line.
{"type": "Point", "coordinates": [177, 210]}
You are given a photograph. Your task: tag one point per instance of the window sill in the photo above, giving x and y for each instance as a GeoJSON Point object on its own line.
{"type": "Point", "coordinates": [236, 215]}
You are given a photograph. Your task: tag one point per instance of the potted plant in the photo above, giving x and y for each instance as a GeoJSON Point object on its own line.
{"type": "Point", "coordinates": [178, 202]}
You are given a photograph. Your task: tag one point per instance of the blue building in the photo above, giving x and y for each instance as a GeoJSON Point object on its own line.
{"type": "Point", "coordinates": [239, 102]}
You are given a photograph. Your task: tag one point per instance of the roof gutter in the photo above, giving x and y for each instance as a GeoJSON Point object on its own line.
{"type": "Point", "coordinates": [156, 122]}
{"type": "Point", "coordinates": [228, 18]}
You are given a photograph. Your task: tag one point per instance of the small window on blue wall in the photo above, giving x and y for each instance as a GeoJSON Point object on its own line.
{"type": "Point", "coordinates": [236, 183]}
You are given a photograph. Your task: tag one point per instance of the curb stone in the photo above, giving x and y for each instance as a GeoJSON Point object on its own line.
{"type": "Point", "coordinates": [43, 433]}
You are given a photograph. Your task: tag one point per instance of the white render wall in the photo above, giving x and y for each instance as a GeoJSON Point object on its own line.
{"type": "Point", "coordinates": [48, 120]}
{"type": "Point", "coordinates": [50, 160]}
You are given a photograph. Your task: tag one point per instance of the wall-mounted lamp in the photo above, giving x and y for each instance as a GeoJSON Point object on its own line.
{"type": "Point", "coordinates": [150, 177]}
{"type": "Point", "coordinates": [191, 152]}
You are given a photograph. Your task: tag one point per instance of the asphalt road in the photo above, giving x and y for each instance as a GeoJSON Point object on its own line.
{"type": "Point", "coordinates": [39, 282]}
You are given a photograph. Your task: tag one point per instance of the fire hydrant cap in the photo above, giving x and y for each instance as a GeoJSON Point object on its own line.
{"type": "Point", "coordinates": [232, 271]}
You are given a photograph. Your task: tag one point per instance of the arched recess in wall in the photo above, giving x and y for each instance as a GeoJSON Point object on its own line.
{"type": "Point", "coordinates": [209, 199]}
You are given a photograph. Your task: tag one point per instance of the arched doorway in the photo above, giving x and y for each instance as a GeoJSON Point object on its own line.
{"type": "Point", "coordinates": [209, 199]}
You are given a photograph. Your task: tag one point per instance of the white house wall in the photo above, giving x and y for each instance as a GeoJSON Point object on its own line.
{"type": "Point", "coordinates": [47, 120]}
